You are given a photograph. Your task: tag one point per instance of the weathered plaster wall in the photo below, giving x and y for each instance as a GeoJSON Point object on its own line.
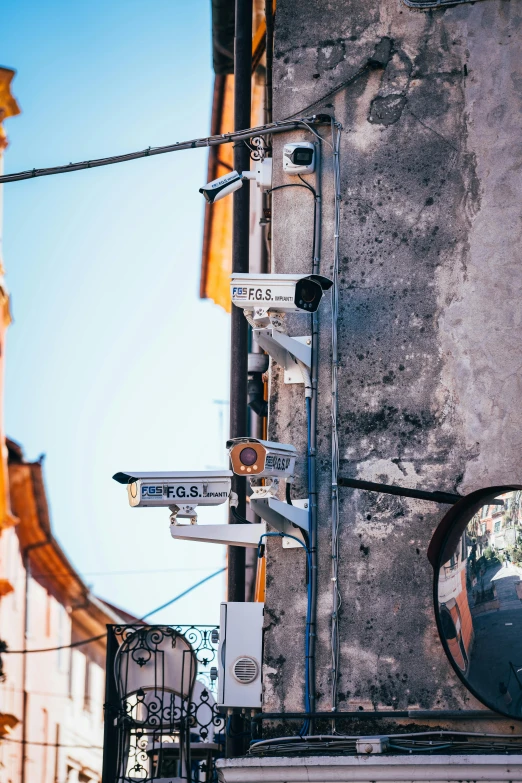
{"type": "Point", "coordinates": [430, 329]}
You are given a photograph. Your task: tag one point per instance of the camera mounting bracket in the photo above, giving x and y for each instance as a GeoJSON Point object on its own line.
{"type": "Point", "coordinates": [229, 535]}
{"type": "Point", "coordinates": [286, 518]}
{"type": "Point", "coordinates": [285, 350]}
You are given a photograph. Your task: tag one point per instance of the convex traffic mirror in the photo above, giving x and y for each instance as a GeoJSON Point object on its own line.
{"type": "Point", "coordinates": [477, 556]}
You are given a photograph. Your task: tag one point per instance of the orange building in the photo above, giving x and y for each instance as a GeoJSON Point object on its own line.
{"type": "Point", "coordinates": [454, 606]}
{"type": "Point", "coordinates": [52, 701]}
{"type": "Point", "coordinates": [216, 263]}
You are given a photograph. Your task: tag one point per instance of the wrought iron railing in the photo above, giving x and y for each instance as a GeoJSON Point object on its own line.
{"type": "Point", "coordinates": [161, 719]}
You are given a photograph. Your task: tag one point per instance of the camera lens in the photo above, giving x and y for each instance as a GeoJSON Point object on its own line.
{"type": "Point", "coordinates": [308, 291]}
{"type": "Point", "coordinates": [248, 456]}
{"type": "Point", "coordinates": [304, 157]}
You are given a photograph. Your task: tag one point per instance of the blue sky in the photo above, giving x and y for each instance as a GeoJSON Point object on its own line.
{"type": "Point", "coordinates": [113, 362]}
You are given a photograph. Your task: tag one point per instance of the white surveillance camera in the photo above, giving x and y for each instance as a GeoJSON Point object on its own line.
{"type": "Point", "coordinates": [278, 293]}
{"type": "Point", "coordinates": [299, 158]}
{"type": "Point", "coordinates": [261, 458]}
{"type": "Point", "coordinates": [265, 299]}
{"type": "Point", "coordinates": [228, 183]}
{"type": "Point", "coordinates": [181, 492]}
{"type": "Point", "coordinates": [222, 186]}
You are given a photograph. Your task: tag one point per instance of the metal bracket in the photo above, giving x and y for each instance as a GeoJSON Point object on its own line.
{"type": "Point", "coordinates": [185, 511]}
{"type": "Point", "coordinates": [286, 518]}
{"type": "Point", "coordinates": [286, 351]}
{"type": "Point", "coordinates": [425, 5]}
{"type": "Point", "coordinates": [228, 535]}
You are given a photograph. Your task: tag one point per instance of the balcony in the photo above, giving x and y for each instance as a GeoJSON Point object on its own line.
{"type": "Point", "coordinates": [161, 720]}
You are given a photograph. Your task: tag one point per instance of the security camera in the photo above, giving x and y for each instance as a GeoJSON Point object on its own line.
{"type": "Point", "coordinates": [299, 158]}
{"type": "Point", "coordinates": [265, 300]}
{"type": "Point", "coordinates": [264, 294]}
{"type": "Point", "coordinates": [222, 186]}
{"type": "Point", "coordinates": [181, 492]}
{"type": "Point", "coordinates": [228, 183]}
{"type": "Point", "coordinates": [261, 458]}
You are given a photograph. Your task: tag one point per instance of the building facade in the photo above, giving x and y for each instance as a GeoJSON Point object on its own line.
{"type": "Point", "coordinates": [55, 698]}
{"type": "Point", "coordinates": [427, 97]}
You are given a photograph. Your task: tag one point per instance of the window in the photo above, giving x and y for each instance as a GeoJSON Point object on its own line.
{"type": "Point", "coordinates": [88, 685]}
{"type": "Point", "coordinates": [64, 639]}
{"type": "Point", "coordinates": [48, 613]}
{"type": "Point", "coordinates": [497, 526]}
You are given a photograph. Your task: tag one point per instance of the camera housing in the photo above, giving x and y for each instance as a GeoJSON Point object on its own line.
{"type": "Point", "coordinates": [299, 158]}
{"type": "Point", "coordinates": [266, 293]}
{"type": "Point", "coordinates": [269, 461]}
{"type": "Point", "coordinates": [261, 458]}
{"type": "Point", "coordinates": [180, 491]}
{"type": "Point", "coordinates": [228, 183]}
{"type": "Point", "coordinates": [222, 186]}
{"type": "Point", "coordinates": [265, 299]}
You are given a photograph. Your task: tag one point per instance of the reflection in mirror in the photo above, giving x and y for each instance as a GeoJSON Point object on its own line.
{"type": "Point", "coordinates": [480, 603]}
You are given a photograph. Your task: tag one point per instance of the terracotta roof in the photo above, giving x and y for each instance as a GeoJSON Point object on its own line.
{"type": "Point", "coordinates": [49, 564]}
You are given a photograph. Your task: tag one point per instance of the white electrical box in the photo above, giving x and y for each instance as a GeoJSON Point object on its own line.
{"type": "Point", "coordinates": [240, 655]}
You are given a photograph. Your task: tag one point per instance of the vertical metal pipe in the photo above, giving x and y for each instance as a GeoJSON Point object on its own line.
{"type": "Point", "coordinates": [239, 325]}
{"type": "Point", "coordinates": [111, 741]}
{"type": "Point", "coordinates": [313, 434]}
{"type": "Point", "coordinates": [240, 243]}
{"type": "Point", "coordinates": [269, 50]}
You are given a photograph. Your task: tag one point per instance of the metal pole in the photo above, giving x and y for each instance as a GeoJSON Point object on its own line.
{"type": "Point", "coordinates": [269, 49]}
{"type": "Point", "coordinates": [239, 325]}
{"type": "Point", "coordinates": [111, 741]}
{"type": "Point", "coordinates": [240, 240]}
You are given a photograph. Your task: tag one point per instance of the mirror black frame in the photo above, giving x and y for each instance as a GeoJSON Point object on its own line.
{"type": "Point", "coordinates": [443, 543]}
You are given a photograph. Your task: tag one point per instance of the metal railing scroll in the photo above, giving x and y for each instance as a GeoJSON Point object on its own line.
{"type": "Point", "coordinates": [161, 719]}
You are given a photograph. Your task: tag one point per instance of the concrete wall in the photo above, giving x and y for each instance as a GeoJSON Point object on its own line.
{"type": "Point", "coordinates": [430, 329]}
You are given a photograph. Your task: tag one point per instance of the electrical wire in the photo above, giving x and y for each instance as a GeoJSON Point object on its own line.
{"type": "Point", "coordinates": [336, 596]}
{"type": "Point", "coordinates": [208, 141]}
{"type": "Point", "coordinates": [131, 572]}
{"type": "Point", "coordinates": [103, 635]}
{"type": "Point", "coordinates": [308, 678]}
{"type": "Point", "coordinates": [289, 185]}
{"type": "Point", "coordinates": [49, 744]}
{"type": "Point", "coordinates": [238, 517]}
{"type": "Point", "coordinates": [308, 611]}
{"type": "Point", "coordinates": [406, 743]}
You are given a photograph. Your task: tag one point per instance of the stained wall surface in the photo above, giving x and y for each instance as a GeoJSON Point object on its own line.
{"type": "Point", "coordinates": [430, 332]}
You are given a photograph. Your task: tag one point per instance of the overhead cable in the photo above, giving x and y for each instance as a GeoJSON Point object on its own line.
{"type": "Point", "coordinates": [103, 635]}
{"type": "Point", "coordinates": [50, 744]}
{"type": "Point", "coordinates": [281, 126]}
{"type": "Point", "coordinates": [336, 595]}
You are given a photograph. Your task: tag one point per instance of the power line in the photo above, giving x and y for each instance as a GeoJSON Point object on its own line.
{"type": "Point", "coordinates": [103, 635]}
{"type": "Point", "coordinates": [184, 593]}
{"type": "Point", "coordinates": [116, 573]}
{"type": "Point", "coordinates": [49, 744]}
{"type": "Point", "coordinates": [208, 141]}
